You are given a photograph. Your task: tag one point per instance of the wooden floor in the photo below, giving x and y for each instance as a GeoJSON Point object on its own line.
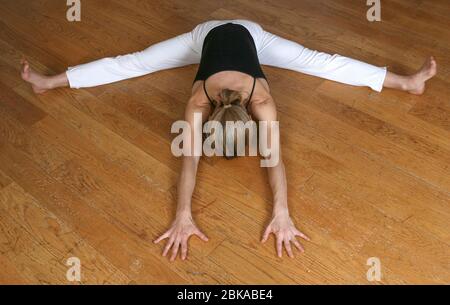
{"type": "Point", "coordinates": [89, 173]}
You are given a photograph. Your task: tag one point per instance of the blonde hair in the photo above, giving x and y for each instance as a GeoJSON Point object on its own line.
{"type": "Point", "coordinates": [230, 107]}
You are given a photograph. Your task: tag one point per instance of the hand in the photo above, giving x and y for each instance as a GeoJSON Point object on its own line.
{"type": "Point", "coordinates": [284, 229]}
{"type": "Point", "coordinates": [180, 231]}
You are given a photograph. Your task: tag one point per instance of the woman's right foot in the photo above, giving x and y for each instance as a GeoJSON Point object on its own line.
{"type": "Point", "coordinates": [40, 83]}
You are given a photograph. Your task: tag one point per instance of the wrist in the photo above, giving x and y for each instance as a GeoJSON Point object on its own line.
{"type": "Point", "coordinates": [183, 214]}
{"type": "Point", "coordinates": [280, 211]}
{"type": "Point", "coordinates": [280, 207]}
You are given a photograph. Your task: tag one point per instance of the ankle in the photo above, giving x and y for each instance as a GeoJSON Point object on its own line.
{"type": "Point", "coordinates": [48, 83]}
{"type": "Point", "coordinates": [407, 83]}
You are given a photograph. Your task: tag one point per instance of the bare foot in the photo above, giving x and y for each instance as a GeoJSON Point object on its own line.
{"type": "Point", "coordinates": [416, 83]}
{"type": "Point", "coordinates": [40, 83]}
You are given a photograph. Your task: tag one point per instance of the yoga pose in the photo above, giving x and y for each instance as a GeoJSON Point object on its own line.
{"type": "Point", "coordinates": [230, 86]}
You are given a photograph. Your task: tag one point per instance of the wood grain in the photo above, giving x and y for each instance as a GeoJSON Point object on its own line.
{"type": "Point", "coordinates": [89, 173]}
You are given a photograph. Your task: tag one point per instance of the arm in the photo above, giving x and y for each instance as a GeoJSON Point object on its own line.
{"type": "Point", "coordinates": [186, 184]}
{"type": "Point", "coordinates": [184, 226]}
{"type": "Point", "coordinates": [281, 224]}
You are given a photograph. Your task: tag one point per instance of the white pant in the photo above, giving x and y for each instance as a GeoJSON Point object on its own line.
{"type": "Point", "coordinates": [185, 49]}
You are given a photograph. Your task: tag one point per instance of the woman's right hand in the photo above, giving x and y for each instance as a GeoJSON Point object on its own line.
{"type": "Point", "coordinates": [178, 234]}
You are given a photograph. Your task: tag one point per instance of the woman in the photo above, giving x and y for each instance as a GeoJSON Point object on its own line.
{"type": "Point", "coordinates": [230, 86]}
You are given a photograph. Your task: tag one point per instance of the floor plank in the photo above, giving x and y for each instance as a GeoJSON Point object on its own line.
{"type": "Point", "coordinates": [89, 173]}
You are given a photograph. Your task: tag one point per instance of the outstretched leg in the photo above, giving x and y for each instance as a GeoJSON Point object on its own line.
{"type": "Point", "coordinates": [279, 52]}
{"type": "Point", "coordinates": [178, 51]}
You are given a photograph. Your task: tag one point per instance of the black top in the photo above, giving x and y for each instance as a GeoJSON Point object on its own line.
{"type": "Point", "coordinates": [229, 47]}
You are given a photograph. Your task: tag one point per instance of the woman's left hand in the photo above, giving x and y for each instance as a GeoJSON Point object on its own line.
{"type": "Point", "coordinates": [285, 232]}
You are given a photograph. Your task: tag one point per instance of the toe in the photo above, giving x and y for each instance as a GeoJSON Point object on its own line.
{"type": "Point", "coordinates": [433, 63]}
{"type": "Point", "coordinates": [433, 68]}
{"type": "Point", "coordinates": [25, 70]}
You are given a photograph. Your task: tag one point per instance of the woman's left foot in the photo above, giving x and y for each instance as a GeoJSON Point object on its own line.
{"type": "Point", "coordinates": [416, 82]}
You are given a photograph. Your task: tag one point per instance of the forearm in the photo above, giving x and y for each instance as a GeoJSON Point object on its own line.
{"type": "Point", "coordinates": [186, 184]}
{"type": "Point", "coordinates": [264, 110]}
{"type": "Point", "coordinates": [278, 184]}
{"type": "Point", "coordinates": [186, 181]}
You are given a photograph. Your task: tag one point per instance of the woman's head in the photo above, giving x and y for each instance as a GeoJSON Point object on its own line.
{"type": "Point", "coordinates": [230, 107]}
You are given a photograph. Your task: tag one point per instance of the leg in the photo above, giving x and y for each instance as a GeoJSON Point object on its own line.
{"type": "Point", "coordinates": [175, 52]}
{"type": "Point", "coordinates": [279, 52]}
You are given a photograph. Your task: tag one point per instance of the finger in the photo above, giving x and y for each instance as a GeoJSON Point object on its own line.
{"type": "Point", "coordinates": [266, 234]}
{"type": "Point", "coordinates": [279, 245]}
{"type": "Point", "coordinates": [184, 248]}
{"type": "Point", "coordinates": [201, 235]}
{"type": "Point", "coordinates": [168, 245]}
{"type": "Point", "coordinates": [175, 248]}
{"type": "Point", "coordinates": [164, 236]}
{"type": "Point", "coordinates": [287, 245]}
{"type": "Point", "coordinates": [298, 233]}
{"type": "Point", "coordinates": [298, 246]}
